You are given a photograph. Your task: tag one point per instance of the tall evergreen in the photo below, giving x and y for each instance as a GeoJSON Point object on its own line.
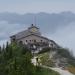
{"type": "Point", "coordinates": [0, 49]}
{"type": "Point", "coordinates": [15, 60]}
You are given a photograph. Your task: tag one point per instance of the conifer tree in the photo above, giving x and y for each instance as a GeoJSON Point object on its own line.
{"type": "Point", "coordinates": [0, 50]}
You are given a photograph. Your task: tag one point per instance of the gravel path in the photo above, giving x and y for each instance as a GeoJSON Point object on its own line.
{"type": "Point", "coordinates": [59, 70]}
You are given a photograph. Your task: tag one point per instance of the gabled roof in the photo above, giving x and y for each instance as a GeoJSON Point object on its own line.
{"type": "Point", "coordinates": [34, 35]}
{"type": "Point", "coordinates": [24, 34]}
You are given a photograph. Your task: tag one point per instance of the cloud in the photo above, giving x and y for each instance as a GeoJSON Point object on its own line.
{"type": "Point", "coordinates": [59, 27]}
{"type": "Point", "coordinates": [6, 30]}
{"type": "Point", "coordinates": [65, 36]}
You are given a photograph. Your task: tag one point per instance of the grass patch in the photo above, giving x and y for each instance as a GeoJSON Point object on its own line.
{"type": "Point", "coordinates": [71, 69]}
{"type": "Point", "coordinates": [45, 60]}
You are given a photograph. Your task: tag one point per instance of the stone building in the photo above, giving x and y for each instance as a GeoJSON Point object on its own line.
{"type": "Point", "coordinates": [33, 38]}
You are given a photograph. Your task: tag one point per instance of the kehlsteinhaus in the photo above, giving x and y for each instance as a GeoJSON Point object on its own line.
{"type": "Point", "coordinates": [33, 38]}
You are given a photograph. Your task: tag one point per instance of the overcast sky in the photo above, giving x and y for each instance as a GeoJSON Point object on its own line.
{"type": "Point", "coordinates": [34, 6]}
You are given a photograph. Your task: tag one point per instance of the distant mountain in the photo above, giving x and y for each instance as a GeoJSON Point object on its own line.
{"type": "Point", "coordinates": [44, 20]}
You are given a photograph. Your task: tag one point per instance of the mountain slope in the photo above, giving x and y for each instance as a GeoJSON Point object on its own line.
{"type": "Point", "coordinates": [59, 58]}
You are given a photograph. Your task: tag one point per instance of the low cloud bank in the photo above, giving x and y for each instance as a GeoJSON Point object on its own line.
{"type": "Point", "coordinates": [65, 36]}
{"type": "Point", "coordinates": [7, 30]}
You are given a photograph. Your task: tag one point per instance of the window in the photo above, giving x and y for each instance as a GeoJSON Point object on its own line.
{"type": "Point", "coordinates": [20, 42]}
{"type": "Point", "coordinates": [30, 40]}
{"type": "Point", "coordinates": [26, 41]}
{"type": "Point", "coordinates": [14, 39]}
{"type": "Point", "coordinates": [34, 40]}
{"type": "Point", "coordinates": [41, 40]}
{"type": "Point", "coordinates": [51, 45]}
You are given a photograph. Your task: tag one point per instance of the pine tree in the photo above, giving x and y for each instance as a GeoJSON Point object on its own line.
{"type": "Point", "coordinates": [7, 47]}
{"type": "Point", "coordinates": [0, 50]}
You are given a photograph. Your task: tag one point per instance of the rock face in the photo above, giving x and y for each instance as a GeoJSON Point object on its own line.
{"type": "Point", "coordinates": [57, 59]}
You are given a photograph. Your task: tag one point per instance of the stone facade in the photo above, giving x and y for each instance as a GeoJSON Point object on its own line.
{"type": "Point", "coordinates": [33, 39]}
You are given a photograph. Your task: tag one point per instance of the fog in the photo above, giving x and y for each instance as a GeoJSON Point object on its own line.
{"type": "Point", "coordinates": [57, 27]}
{"type": "Point", "coordinates": [65, 36]}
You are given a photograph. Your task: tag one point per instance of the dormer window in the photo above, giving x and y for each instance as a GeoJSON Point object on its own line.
{"type": "Point", "coordinates": [13, 38]}
{"type": "Point", "coordinates": [33, 28]}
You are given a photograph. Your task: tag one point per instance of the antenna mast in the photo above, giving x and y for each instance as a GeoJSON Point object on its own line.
{"type": "Point", "coordinates": [35, 20]}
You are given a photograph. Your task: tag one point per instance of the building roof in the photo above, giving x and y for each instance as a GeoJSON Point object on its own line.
{"type": "Point", "coordinates": [26, 33]}
{"type": "Point", "coordinates": [34, 35]}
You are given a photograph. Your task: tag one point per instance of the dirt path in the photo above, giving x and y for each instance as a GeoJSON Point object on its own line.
{"type": "Point", "coordinates": [59, 70]}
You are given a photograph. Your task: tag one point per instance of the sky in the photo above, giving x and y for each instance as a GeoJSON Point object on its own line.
{"type": "Point", "coordinates": [34, 6]}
